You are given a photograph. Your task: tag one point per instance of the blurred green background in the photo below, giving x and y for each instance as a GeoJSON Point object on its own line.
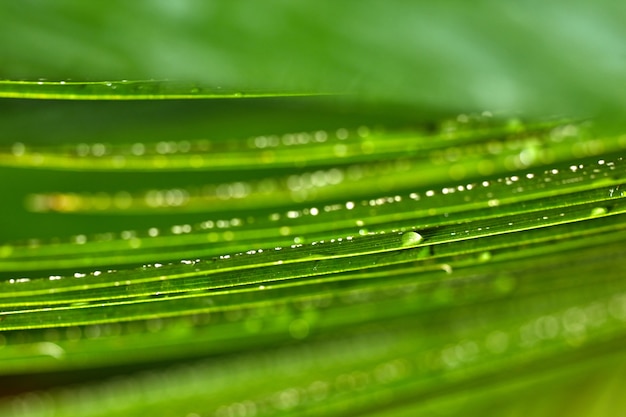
{"type": "Point", "coordinates": [531, 56]}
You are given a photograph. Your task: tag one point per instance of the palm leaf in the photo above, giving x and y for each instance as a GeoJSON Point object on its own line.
{"type": "Point", "coordinates": [192, 248]}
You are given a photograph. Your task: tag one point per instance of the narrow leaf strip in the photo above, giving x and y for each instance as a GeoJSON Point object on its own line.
{"type": "Point", "coordinates": [127, 90]}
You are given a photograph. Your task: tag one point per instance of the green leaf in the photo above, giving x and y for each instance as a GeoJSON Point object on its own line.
{"type": "Point", "coordinates": [124, 90]}
{"type": "Point", "coordinates": [442, 236]}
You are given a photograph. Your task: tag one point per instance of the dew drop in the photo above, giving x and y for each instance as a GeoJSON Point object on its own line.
{"type": "Point", "coordinates": [484, 256]}
{"type": "Point", "coordinates": [598, 211]}
{"type": "Point", "coordinates": [18, 149]}
{"type": "Point", "coordinates": [5, 251]}
{"type": "Point", "coordinates": [50, 349]}
{"type": "Point", "coordinates": [342, 134]}
{"type": "Point", "coordinates": [411, 238]}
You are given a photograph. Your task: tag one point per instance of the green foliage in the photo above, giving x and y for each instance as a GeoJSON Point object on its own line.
{"type": "Point", "coordinates": [442, 235]}
{"type": "Point", "coordinates": [535, 57]}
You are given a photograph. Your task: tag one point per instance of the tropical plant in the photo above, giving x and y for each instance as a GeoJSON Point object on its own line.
{"type": "Point", "coordinates": [309, 209]}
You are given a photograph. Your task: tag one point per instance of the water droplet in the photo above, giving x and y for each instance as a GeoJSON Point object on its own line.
{"type": "Point", "coordinates": [50, 349]}
{"type": "Point", "coordinates": [598, 211]}
{"type": "Point", "coordinates": [5, 251]}
{"type": "Point", "coordinates": [18, 149]}
{"type": "Point", "coordinates": [342, 134]}
{"type": "Point", "coordinates": [286, 399]}
{"type": "Point", "coordinates": [546, 327]}
{"type": "Point", "coordinates": [80, 239]}
{"type": "Point", "coordinates": [411, 238]}
{"type": "Point", "coordinates": [98, 149]}
{"type": "Point", "coordinates": [574, 322]}
{"type": "Point", "coordinates": [484, 256]}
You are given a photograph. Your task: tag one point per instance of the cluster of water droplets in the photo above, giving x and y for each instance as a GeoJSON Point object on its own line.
{"type": "Point", "coordinates": [184, 147]}
{"type": "Point", "coordinates": [359, 212]}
